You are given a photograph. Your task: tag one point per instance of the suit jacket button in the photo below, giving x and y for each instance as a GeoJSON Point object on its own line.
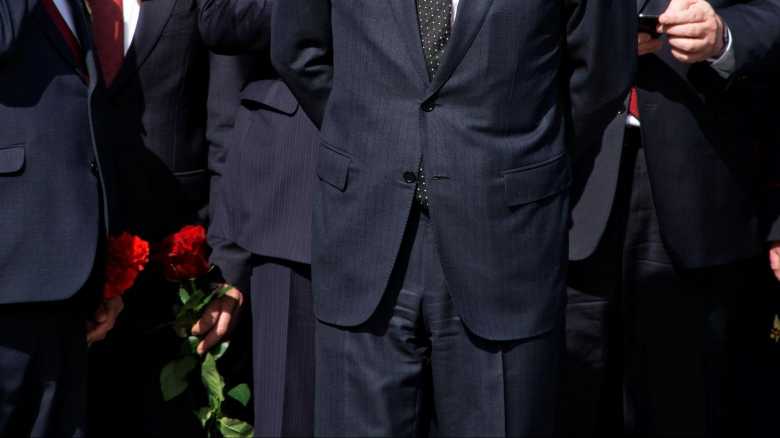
{"type": "Point", "coordinates": [428, 106]}
{"type": "Point", "coordinates": [410, 177]}
{"type": "Point", "coordinates": [93, 167]}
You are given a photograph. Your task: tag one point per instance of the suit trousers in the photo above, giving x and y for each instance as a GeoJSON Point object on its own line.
{"type": "Point", "coordinates": [654, 350]}
{"type": "Point", "coordinates": [283, 348]}
{"type": "Point", "coordinates": [43, 369]}
{"type": "Point", "coordinates": [414, 369]}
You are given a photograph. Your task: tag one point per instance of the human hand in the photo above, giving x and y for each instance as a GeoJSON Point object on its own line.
{"type": "Point", "coordinates": [774, 259]}
{"type": "Point", "coordinates": [695, 31]}
{"type": "Point", "coordinates": [104, 320]}
{"type": "Point", "coordinates": [646, 44]}
{"type": "Point", "coordinates": [219, 318]}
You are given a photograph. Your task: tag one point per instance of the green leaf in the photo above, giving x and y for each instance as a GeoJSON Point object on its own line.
{"type": "Point", "coordinates": [220, 350]}
{"type": "Point", "coordinates": [230, 428]}
{"type": "Point", "coordinates": [213, 382]}
{"type": "Point", "coordinates": [184, 295]}
{"type": "Point", "coordinates": [173, 377]}
{"type": "Point", "coordinates": [241, 394]}
{"type": "Point", "coordinates": [223, 290]}
{"type": "Point", "coordinates": [196, 297]}
{"type": "Point", "coordinates": [193, 342]}
{"type": "Point", "coordinates": [205, 302]}
{"type": "Point", "coordinates": [204, 415]}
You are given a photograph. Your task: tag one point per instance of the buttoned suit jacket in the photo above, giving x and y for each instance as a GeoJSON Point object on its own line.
{"type": "Point", "coordinates": [267, 170]}
{"type": "Point", "coordinates": [56, 172]}
{"type": "Point", "coordinates": [520, 84]}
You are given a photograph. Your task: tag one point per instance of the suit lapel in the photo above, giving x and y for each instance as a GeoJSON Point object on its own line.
{"type": "Point", "coordinates": [154, 15]}
{"type": "Point", "coordinates": [469, 19]}
{"type": "Point", "coordinates": [84, 32]}
{"type": "Point", "coordinates": [640, 5]}
{"type": "Point", "coordinates": [56, 39]}
{"type": "Point", "coordinates": [405, 13]}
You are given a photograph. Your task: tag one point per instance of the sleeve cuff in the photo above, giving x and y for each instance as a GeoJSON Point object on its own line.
{"type": "Point", "coordinates": [725, 65]}
{"type": "Point", "coordinates": [234, 263]}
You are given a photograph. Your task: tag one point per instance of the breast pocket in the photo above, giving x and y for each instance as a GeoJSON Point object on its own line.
{"type": "Point", "coordinates": [333, 167]}
{"type": "Point", "coordinates": [538, 181]}
{"type": "Point", "coordinates": [11, 159]}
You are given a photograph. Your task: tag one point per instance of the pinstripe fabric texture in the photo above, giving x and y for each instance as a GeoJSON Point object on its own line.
{"type": "Point", "coordinates": [271, 161]}
{"type": "Point", "coordinates": [283, 332]}
{"type": "Point", "coordinates": [492, 124]}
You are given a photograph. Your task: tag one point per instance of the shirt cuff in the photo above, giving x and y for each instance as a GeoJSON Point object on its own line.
{"type": "Point", "coordinates": [726, 63]}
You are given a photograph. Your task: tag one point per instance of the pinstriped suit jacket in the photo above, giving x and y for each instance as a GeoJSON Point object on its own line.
{"type": "Point", "coordinates": [518, 82]}
{"type": "Point", "coordinates": [266, 167]}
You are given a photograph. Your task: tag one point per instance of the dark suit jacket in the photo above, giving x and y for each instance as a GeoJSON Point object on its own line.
{"type": "Point", "coordinates": [703, 149]}
{"type": "Point", "coordinates": [158, 120]}
{"type": "Point", "coordinates": [228, 75]}
{"type": "Point", "coordinates": [515, 79]}
{"type": "Point", "coordinates": [267, 173]}
{"type": "Point", "coordinates": [52, 169]}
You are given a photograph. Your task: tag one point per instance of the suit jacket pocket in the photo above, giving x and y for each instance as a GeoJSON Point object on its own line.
{"type": "Point", "coordinates": [11, 158]}
{"type": "Point", "coordinates": [271, 94]}
{"type": "Point", "coordinates": [537, 181]}
{"type": "Point", "coordinates": [333, 167]}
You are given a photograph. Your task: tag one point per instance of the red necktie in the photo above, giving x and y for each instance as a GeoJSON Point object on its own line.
{"type": "Point", "coordinates": [67, 34]}
{"type": "Point", "coordinates": [108, 29]}
{"type": "Point", "coordinates": [633, 103]}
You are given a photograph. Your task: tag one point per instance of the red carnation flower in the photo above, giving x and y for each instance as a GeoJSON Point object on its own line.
{"type": "Point", "coordinates": [184, 254]}
{"type": "Point", "coordinates": [127, 257]}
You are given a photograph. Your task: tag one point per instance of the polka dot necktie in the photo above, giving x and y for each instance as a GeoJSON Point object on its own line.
{"type": "Point", "coordinates": [434, 17]}
{"type": "Point", "coordinates": [435, 20]}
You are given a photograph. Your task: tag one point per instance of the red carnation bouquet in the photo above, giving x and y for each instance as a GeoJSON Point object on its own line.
{"type": "Point", "coordinates": [183, 257]}
{"type": "Point", "coordinates": [127, 256]}
{"type": "Point", "coordinates": [184, 254]}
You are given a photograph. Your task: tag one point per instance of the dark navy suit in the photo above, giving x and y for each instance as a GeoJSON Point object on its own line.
{"type": "Point", "coordinates": [670, 226]}
{"type": "Point", "coordinates": [468, 296]}
{"type": "Point", "coordinates": [261, 204]}
{"type": "Point", "coordinates": [56, 192]}
{"type": "Point", "coordinates": [156, 119]}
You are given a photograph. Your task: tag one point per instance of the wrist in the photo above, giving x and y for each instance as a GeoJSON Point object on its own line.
{"type": "Point", "coordinates": [722, 38]}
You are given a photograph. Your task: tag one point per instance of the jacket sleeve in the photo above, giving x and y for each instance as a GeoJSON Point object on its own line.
{"type": "Point", "coordinates": [13, 14]}
{"type": "Point", "coordinates": [228, 75]}
{"type": "Point", "coordinates": [599, 64]}
{"type": "Point", "coordinates": [755, 30]}
{"type": "Point", "coordinates": [234, 27]}
{"type": "Point", "coordinates": [302, 51]}
{"type": "Point", "coordinates": [233, 261]}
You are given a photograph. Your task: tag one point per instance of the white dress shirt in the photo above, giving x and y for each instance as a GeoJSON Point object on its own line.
{"type": "Point", "coordinates": [454, 9]}
{"type": "Point", "coordinates": [726, 64]}
{"type": "Point", "coordinates": [67, 14]}
{"type": "Point", "coordinates": [130, 8]}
